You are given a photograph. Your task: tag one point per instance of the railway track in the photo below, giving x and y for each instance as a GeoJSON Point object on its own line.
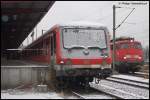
{"type": "Point", "coordinates": [93, 94]}
{"type": "Point", "coordinates": [78, 95]}
{"type": "Point", "coordinates": [121, 90]}
{"type": "Point", "coordinates": [113, 88]}
{"type": "Point", "coordinates": [117, 92]}
{"type": "Point", "coordinates": [129, 82]}
{"type": "Point", "coordinates": [82, 92]}
{"type": "Point", "coordinates": [108, 89]}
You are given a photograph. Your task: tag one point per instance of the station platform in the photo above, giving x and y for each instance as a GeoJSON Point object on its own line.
{"type": "Point", "coordinates": [17, 72]}
{"type": "Point", "coordinates": [21, 63]}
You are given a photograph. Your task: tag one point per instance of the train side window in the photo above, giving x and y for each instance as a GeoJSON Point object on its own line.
{"type": "Point", "coordinates": [54, 42]}
{"type": "Point", "coordinates": [124, 46]}
{"type": "Point", "coordinates": [40, 51]}
{"type": "Point", "coordinates": [137, 46]}
{"type": "Point", "coordinates": [41, 48]}
{"type": "Point", "coordinates": [47, 47]}
{"type": "Point", "coordinates": [37, 52]}
{"type": "Point", "coordinates": [111, 46]}
{"type": "Point", "coordinates": [117, 46]}
{"type": "Point", "coordinates": [51, 45]}
{"type": "Point", "coordinates": [34, 52]}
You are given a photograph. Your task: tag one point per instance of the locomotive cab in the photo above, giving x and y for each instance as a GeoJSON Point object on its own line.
{"type": "Point", "coordinates": [84, 51]}
{"type": "Point", "coordinates": [129, 55]}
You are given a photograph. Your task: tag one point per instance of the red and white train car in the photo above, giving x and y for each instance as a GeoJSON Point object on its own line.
{"type": "Point", "coordinates": [74, 50]}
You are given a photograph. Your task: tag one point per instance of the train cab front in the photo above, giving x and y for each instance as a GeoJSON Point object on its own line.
{"type": "Point", "coordinates": [85, 68]}
{"type": "Point", "coordinates": [84, 52]}
{"type": "Point", "coordinates": [129, 55]}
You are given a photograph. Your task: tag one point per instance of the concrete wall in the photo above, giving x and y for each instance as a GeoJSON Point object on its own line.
{"type": "Point", "coordinates": [13, 76]}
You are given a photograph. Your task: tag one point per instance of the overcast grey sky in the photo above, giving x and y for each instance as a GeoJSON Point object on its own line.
{"type": "Point", "coordinates": [136, 25]}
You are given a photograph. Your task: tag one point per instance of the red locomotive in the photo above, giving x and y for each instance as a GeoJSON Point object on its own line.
{"type": "Point", "coordinates": [74, 51]}
{"type": "Point", "coordinates": [128, 55]}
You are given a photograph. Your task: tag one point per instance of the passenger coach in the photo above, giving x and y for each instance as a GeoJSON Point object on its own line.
{"type": "Point", "coordinates": [77, 51]}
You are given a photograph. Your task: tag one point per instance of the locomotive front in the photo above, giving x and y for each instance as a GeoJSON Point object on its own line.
{"type": "Point", "coordinates": [83, 52]}
{"type": "Point", "coordinates": [130, 55]}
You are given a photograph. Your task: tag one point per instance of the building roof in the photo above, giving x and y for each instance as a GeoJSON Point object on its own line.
{"type": "Point", "coordinates": [18, 18]}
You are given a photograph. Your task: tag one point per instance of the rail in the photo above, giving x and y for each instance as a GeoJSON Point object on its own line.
{"type": "Point", "coordinates": [129, 82]}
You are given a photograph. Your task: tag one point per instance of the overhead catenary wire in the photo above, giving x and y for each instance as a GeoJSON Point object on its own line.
{"type": "Point", "coordinates": [124, 19]}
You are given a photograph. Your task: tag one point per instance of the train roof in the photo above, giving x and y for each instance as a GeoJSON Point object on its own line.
{"type": "Point", "coordinates": [118, 42]}
{"type": "Point", "coordinates": [69, 24]}
{"type": "Point", "coordinates": [82, 24]}
{"type": "Point", "coordinates": [123, 39]}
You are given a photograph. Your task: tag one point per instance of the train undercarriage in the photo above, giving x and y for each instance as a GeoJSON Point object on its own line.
{"type": "Point", "coordinates": [128, 67]}
{"type": "Point", "coordinates": [77, 77]}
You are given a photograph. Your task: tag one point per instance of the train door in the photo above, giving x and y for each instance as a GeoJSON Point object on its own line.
{"type": "Point", "coordinates": [53, 48]}
{"type": "Point", "coordinates": [52, 73]}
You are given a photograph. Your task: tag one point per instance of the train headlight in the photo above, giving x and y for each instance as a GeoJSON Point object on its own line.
{"type": "Point", "coordinates": [61, 62]}
{"type": "Point", "coordinates": [140, 57]}
{"type": "Point", "coordinates": [124, 57]}
{"type": "Point", "coordinates": [104, 63]}
{"type": "Point", "coordinates": [104, 53]}
{"type": "Point", "coordinates": [105, 56]}
{"type": "Point", "coordinates": [131, 40]}
{"type": "Point", "coordinates": [68, 62]}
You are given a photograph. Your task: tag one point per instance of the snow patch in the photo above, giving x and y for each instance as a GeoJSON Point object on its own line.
{"type": "Point", "coordinates": [29, 95]}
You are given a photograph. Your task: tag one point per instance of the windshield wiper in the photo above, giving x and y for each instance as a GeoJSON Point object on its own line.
{"type": "Point", "coordinates": [83, 47]}
{"type": "Point", "coordinates": [75, 47]}
{"type": "Point", "coordinates": [93, 47]}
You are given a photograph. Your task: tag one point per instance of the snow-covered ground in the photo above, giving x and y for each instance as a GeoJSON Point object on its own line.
{"type": "Point", "coordinates": [32, 94]}
{"type": "Point", "coordinates": [16, 94]}
{"type": "Point", "coordinates": [97, 96]}
{"type": "Point", "coordinates": [125, 89]}
{"type": "Point", "coordinates": [28, 95]}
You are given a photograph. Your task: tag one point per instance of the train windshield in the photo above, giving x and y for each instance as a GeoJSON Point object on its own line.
{"type": "Point", "coordinates": [124, 46]}
{"type": "Point", "coordinates": [130, 45]}
{"type": "Point", "coordinates": [137, 46]}
{"type": "Point", "coordinates": [84, 38]}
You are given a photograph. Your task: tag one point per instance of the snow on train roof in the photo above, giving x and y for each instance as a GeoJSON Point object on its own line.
{"type": "Point", "coordinates": [82, 24]}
